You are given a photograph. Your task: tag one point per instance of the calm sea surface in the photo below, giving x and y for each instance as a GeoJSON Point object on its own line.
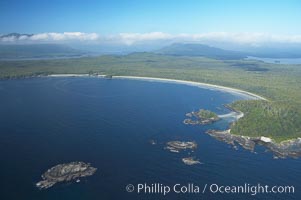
{"type": "Point", "coordinates": [109, 123]}
{"type": "Point", "coordinates": [277, 60]}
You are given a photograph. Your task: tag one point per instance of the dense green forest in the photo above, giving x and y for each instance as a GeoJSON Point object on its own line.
{"type": "Point", "coordinates": [279, 117]}
{"type": "Point", "coordinates": [206, 114]}
{"type": "Point", "coordinates": [265, 118]}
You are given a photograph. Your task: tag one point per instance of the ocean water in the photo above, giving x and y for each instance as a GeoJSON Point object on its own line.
{"type": "Point", "coordinates": [293, 61]}
{"type": "Point", "coordinates": [109, 123]}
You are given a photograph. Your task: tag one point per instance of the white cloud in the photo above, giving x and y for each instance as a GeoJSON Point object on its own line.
{"type": "Point", "coordinates": [49, 37]}
{"type": "Point", "coordinates": [239, 38]}
{"type": "Point", "coordinates": [8, 39]}
{"type": "Point", "coordinates": [130, 38]}
{"type": "Point", "coordinates": [254, 39]}
{"type": "Point", "coordinates": [65, 36]}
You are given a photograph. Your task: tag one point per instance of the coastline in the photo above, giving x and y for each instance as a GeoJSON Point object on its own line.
{"type": "Point", "coordinates": [237, 114]}
{"type": "Point", "coordinates": [284, 149]}
{"type": "Point", "coordinates": [239, 92]}
{"type": "Point", "coordinates": [243, 93]}
{"type": "Point", "coordinates": [287, 148]}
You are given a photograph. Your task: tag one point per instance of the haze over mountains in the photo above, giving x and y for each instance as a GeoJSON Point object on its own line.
{"type": "Point", "coordinates": [179, 49]}
{"type": "Point", "coordinates": [38, 51]}
{"type": "Point", "coordinates": [9, 36]}
{"type": "Point", "coordinates": [25, 49]}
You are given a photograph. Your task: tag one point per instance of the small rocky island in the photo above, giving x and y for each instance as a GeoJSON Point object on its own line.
{"type": "Point", "coordinates": [190, 161]}
{"type": "Point", "coordinates": [201, 117]}
{"type": "Point", "coordinates": [177, 146]}
{"type": "Point", "coordinates": [152, 142]}
{"type": "Point", "coordinates": [64, 173]}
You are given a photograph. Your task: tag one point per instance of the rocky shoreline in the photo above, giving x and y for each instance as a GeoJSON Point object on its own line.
{"type": "Point", "coordinates": [284, 149]}
{"type": "Point", "coordinates": [289, 148]}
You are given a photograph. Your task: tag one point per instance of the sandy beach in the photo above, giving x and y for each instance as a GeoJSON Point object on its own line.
{"type": "Point", "coordinates": [68, 75]}
{"type": "Point", "coordinates": [242, 93]}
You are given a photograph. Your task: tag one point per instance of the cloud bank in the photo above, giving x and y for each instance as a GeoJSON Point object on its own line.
{"type": "Point", "coordinates": [254, 39]}
{"type": "Point", "coordinates": [50, 37]}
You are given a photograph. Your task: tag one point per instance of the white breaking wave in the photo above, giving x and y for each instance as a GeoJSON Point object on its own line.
{"type": "Point", "coordinates": [235, 115]}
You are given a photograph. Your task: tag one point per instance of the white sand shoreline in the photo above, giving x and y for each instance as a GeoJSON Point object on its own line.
{"type": "Point", "coordinates": [239, 92]}
{"type": "Point", "coordinates": [197, 84]}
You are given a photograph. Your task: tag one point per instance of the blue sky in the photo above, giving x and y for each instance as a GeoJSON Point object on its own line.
{"type": "Point", "coordinates": [251, 22]}
{"type": "Point", "coordinates": [174, 17]}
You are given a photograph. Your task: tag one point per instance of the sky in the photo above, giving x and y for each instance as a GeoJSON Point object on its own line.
{"type": "Point", "coordinates": [143, 20]}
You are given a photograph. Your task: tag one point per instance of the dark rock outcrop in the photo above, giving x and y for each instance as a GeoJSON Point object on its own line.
{"type": "Point", "coordinates": [64, 173]}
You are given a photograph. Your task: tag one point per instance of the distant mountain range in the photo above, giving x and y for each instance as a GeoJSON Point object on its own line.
{"type": "Point", "coordinates": [16, 35]}
{"type": "Point", "coordinates": [25, 50]}
{"type": "Point", "coordinates": [179, 49]}
{"type": "Point", "coordinates": [38, 51]}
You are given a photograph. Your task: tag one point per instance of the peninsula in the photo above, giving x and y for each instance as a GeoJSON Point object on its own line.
{"type": "Point", "coordinates": [290, 148]}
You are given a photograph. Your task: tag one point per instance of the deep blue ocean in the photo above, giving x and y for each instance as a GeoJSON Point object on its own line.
{"type": "Point", "coordinates": [109, 123]}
